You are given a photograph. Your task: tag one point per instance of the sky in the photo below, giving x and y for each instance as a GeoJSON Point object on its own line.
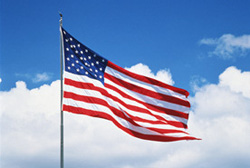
{"type": "Point", "coordinates": [200, 46]}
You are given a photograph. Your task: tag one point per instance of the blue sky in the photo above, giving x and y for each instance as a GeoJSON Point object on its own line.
{"type": "Point", "coordinates": [160, 34]}
{"type": "Point", "coordinates": [200, 46]}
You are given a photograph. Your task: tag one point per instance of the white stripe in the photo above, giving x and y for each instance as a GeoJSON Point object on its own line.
{"type": "Point", "coordinates": [161, 126]}
{"type": "Point", "coordinates": [98, 95]}
{"type": "Point", "coordinates": [117, 105]}
{"type": "Point", "coordinates": [134, 103]}
{"type": "Point", "coordinates": [131, 93]}
{"type": "Point", "coordinates": [142, 84]}
{"type": "Point", "coordinates": [97, 107]}
{"type": "Point", "coordinates": [177, 134]}
{"type": "Point", "coordinates": [83, 78]}
{"type": "Point", "coordinates": [121, 121]}
{"type": "Point", "coordinates": [148, 99]}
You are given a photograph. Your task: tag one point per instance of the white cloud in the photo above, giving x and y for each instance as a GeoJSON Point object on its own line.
{"type": "Point", "coordinates": [41, 77]}
{"type": "Point", "coordinates": [222, 119]}
{"type": "Point", "coordinates": [29, 124]}
{"type": "Point", "coordinates": [0, 80]}
{"type": "Point", "coordinates": [30, 132]}
{"type": "Point", "coordinates": [236, 80]}
{"type": "Point", "coordinates": [161, 75]}
{"type": "Point", "coordinates": [228, 46]}
{"type": "Point", "coordinates": [196, 82]}
{"type": "Point", "coordinates": [36, 78]}
{"type": "Point", "coordinates": [25, 75]}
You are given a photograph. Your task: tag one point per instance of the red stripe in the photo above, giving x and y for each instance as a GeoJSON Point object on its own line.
{"type": "Point", "coordinates": [147, 79]}
{"type": "Point", "coordinates": [119, 113]}
{"type": "Point", "coordinates": [105, 93]}
{"type": "Point", "coordinates": [94, 100]}
{"type": "Point", "coordinates": [139, 119]}
{"type": "Point", "coordinates": [90, 86]}
{"type": "Point", "coordinates": [167, 131]}
{"type": "Point", "coordinates": [147, 92]}
{"type": "Point", "coordinates": [93, 113]}
{"type": "Point", "coordinates": [177, 124]}
{"type": "Point", "coordinates": [149, 106]}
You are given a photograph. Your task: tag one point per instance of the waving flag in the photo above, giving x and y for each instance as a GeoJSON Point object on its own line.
{"type": "Point", "coordinates": [141, 106]}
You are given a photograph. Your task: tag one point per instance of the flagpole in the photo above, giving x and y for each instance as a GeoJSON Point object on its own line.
{"type": "Point", "coordinates": [61, 60]}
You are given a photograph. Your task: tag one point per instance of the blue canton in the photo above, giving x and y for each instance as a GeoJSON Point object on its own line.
{"type": "Point", "coordinates": [81, 60]}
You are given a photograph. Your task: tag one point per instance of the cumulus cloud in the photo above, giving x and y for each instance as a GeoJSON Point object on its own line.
{"type": "Point", "coordinates": [236, 80]}
{"type": "Point", "coordinates": [228, 46]}
{"type": "Point", "coordinates": [222, 119]}
{"type": "Point", "coordinates": [30, 131]}
{"type": "Point", "coordinates": [29, 125]}
{"type": "Point", "coordinates": [161, 75]}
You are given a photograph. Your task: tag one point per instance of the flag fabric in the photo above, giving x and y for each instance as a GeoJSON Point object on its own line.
{"type": "Point", "coordinates": [141, 106]}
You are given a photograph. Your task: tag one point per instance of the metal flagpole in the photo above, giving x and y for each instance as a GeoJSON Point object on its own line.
{"type": "Point", "coordinates": [61, 59]}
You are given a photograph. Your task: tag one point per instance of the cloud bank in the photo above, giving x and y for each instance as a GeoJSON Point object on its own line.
{"type": "Point", "coordinates": [228, 46]}
{"type": "Point", "coordinates": [30, 131]}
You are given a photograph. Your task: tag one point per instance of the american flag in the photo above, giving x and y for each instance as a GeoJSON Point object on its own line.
{"type": "Point", "coordinates": [141, 106]}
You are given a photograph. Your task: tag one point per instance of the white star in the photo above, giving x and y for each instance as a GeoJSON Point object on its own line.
{"type": "Point", "coordinates": [72, 64]}
{"type": "Point", "coordinates": [86, 50]}
{"type": "Point", "coordinates": [77, 61]}
{"type": "Point", "coordinates": [100, 77]}
{"type": "Point", "coordinates": [96, 70]}
{"type": "Point", "coordinates": [103, 60]}
{"type": "Point", "coordinates": [76, 52]}
{"type": "Point", "coordinates": [81, 67]}
{"type": "Point", "coordinates": [97, 62]}
{"type": "Point", "coordinates": [81, 58]}
{"type": "Point", "coordinates": [100, 69]}
{"type": "Point", "coordinates": [86, 73]}
{"type": "Point", "coordinates": [92, 64]}
{"type": "Point", "coordinates": [77, 70]}
{"type": "Point", "coordinates": [90, 69]}
{"type": "Point", "coordinates": [68, 67]}
{"type": "Point", "coordinates": [66, 40]}
{"type": "Point", "coordinates": [81, 52]}
{"type": "Point", "coordinates": [95, 75]}
{"type": "Point", "coordinates": [67, 49]}
{"type": "Point", "coordinates": [71, 46]}
{"type": "Point", "coordinates": [78, 45]}
{"type": "Point", "coordinates": [94, 55]}
{"type": "Point", "coordinates": [72, 55]}
{"type": "Point", "coordinates": [85, 59]}
{"type": "Point", "coordinates": [89, 57]}
{"type": "Point", "coordinates": [70, 39]}
{"type": "Point", "coordinates": [86, 63]}
{"type": "Point", "coordinates": [68, 58]}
